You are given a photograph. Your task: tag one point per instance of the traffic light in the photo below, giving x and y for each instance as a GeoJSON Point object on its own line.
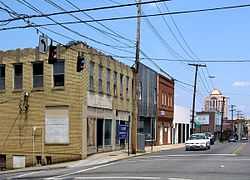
{"type": "Point", "coordinates": [80, 63]}
{"type": "Point", "coordinates": [52, 53]}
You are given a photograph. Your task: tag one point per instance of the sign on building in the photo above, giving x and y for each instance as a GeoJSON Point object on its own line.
{"type": "Point", "coordinates": [203, 118]}
{"type": "Point", "coordinates": [123, 131]}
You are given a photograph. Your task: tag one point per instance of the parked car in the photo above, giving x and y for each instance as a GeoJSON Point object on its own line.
{"type": "Point", "coordinates": [232, 139]}
{"type": "Point", "coordinates": [198, 141]}
{"type": "Point", "coordinates": [211, 137]}
{"type": "Point", "coordinates": [244, 138]}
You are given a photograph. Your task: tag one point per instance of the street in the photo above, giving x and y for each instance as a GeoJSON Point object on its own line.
{"type": "Point", "coordinates": [229, 161]}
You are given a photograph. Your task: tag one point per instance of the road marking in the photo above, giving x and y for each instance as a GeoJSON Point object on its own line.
{"type": "Point", "coordinates": [119, 177]}
{"type": "Point", "coordinates": [84, 170]}
{"type": "Point", "coordinates": [237, 150]}
{"type": "Point", "coordinates": [195, 155]}
{"type": "Point", "coordinates": [222, 166]}
{"type": "Point", "coordinates": [178, 179]}
{"type": "Point", "coordinates": [22, 175]}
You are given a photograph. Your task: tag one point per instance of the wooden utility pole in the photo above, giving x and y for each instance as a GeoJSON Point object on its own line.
{"type": "Point", "coordinates": [194, 93]}
{"type": "Point", "coordinates": [135, 82]}
{"type": "Point", "coordinates": [222, 118]}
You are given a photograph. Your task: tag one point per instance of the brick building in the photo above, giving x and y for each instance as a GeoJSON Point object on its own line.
{"type": "Point", "coordinates": [49, 112]}
{"type": "Point", "coordinates": [165, 109]}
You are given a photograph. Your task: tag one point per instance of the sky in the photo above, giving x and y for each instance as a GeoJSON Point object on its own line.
{"type": "Point", "coordinates": [217, 35]}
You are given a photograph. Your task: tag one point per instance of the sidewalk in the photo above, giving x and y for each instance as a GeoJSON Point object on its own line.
{"type": "Point", "coordinates": [97, 159]}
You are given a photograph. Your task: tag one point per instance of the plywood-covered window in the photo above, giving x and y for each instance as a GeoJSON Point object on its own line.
{"type": "Point", "coordinates": [56, 126]}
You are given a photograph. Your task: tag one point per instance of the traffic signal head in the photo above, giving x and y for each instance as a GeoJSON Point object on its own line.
{"type": "Point", "coordinates": [80, 63]}
{"type": "Point", "coordinates": [52, 54]}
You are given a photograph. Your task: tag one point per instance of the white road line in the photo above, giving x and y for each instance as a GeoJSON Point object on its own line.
{"type": "Point", "coordinates": [76, 172]}
{"type": "Point", "coordinates": [195, 155]}
{"type": "Point", "coordinates": [23, 175]}
{"type": "Point", "coordinates": [119, 177]}
{"type": "Point", "coordinates": [178, 179]}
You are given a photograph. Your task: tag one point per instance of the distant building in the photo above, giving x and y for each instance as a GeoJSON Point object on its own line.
{"type": "Point", "coordinates": [165, 109]}
{"type": "Point", "coordinates": [147, 105]}
{"type": "Point", "coordinates": [208, 122]}
{"type": "Point", "coordinates": [181, 124]}
{"type": "Point", "coordinates": [213, 103]}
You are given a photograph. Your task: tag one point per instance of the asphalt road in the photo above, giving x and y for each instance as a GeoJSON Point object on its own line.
{"type": "Point", "coordinates": [229, 161]}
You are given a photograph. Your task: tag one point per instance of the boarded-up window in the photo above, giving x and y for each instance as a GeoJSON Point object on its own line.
{"type": "Point", "coordinates": [56, 126]}
{"type": "Point", "coordinates": [58, 75]}
{"type": "Point", "coordinates": [91, 137]}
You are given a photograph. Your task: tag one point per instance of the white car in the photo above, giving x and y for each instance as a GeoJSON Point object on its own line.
{"type": "Point", "coordinates": [198, 141]}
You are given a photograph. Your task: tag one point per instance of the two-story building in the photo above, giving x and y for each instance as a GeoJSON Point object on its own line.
{"type": "Point", "coordinates": [52, 113]}
{"type": "Point", "coordinates": [165, 109]}
{"type": "Point", "coordinates": [147, 105]}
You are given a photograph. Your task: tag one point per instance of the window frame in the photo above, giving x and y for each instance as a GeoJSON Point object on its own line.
{"type": "Point", "coordinates": [100, 71]}
{"type": "Point", "coordinates": [58, 74]}
{"type": "Point", "coordinates": [121, 85]}
{"type": "Point", "coordinates": [33, 63]}
{"type": "Point", "coordinates": [14, 76]}
{"type": "Point", "coordinates": [4, 77]}
{"type": "Point", "coordinates": [91, 76]}
{"type": "Point", "coordinates": [108, 77]}
{"type": "Point", "coordinates": [115, 83]}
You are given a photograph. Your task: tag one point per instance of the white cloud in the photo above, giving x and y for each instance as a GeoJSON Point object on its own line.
{"type": "Point", "coordinates": [241, 84]}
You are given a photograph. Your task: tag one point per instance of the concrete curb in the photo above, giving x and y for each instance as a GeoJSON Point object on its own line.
{"type": "Point", "coordinates": [68, 164]}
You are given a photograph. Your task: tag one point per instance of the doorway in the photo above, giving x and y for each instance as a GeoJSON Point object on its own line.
{"type": "Point", "coordinates": [2, 162]}
{"type": "Point", "coordinates": [161, 135]}
{"type": "Point", "coordinates": [99, 136]}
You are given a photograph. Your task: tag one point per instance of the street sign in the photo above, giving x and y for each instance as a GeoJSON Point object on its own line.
{"type": "Point", "coordinates": [43, 44]}
{"type": "Point", "coordinates": [123, 131]}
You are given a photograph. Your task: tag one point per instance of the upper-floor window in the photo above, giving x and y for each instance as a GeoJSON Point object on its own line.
{"type": "Point", "coordinates": [2, 76]}
{"type": "Point", "coordinates": [115, 83]}
{"type": "Point", "coordinates": [155, 96]}
{"type": "Point", "coordinates": [121, 85]}
{"type": "Point", "coordinates": [100, 79]}
{"type": "Point", "coordinates": [37, 74]}
{"type": "Point", "coordinates": [140, 91]}
{"type": "Point", "coordinates": [91, 76]}
{"type": "Point", "coordinates": [162, 99]}
{"type": "Point", "coordinates": [18, 76]}
{"type": "Point", "coordinates": [127, 85]}
{"type": "Point", "coordinates": [58, 73]}
{"type": "Point", "coordinates": [108, 81]}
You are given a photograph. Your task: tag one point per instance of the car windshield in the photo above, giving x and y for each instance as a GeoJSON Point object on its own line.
{"type": "Point", "coordinates": [197, 136]}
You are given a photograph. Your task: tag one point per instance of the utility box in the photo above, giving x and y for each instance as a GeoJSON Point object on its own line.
{"type": "Point", "coordinates": [140, 142]}
{"type": "Point", "coordinates": [18, 162]}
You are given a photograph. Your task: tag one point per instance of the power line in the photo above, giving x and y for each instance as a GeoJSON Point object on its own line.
{"type": "Point", "coordinates": [97, 29]}
{"type": "Point", "coordinates": [30, 6]}
{"type": "Point", "coordinates": [83, 10]}
{"type": "Point", "coordinates": [129, 17]}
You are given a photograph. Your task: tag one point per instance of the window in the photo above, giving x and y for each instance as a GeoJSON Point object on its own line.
{"type": "Point", "coordinates": [56, 126]}
{"type": "Point", "coordinates": [140, 91]}
{"type": "Point", "coordinates": [127, 85]}
{"type": "Point", "coordinates": [108, 81]}
{"type": "Point", "coordinates": [91, 76]}
{"type": "Point", "coordinates": [121, 85]}
{"type": "Point", "coordinates": [2, 76]}
{"type": "Point", "coordinates": [108, 128]}
{"type": "Point", "coordinates": [37, 74]}
{"type": "Point", "coordinates": [171, 100]}
{"type": "Point", "coordinates": [18, 76]}
{"type": "Point", "coordinates": [115, 83]}
{"type": "Point", "coordinates": [154, 96]}
{"type": "Point", "coordinates": [100, 79]}
{"type": "Point", "coordinates": [58, 70]}
{"type": "Point", "coordinates": [117, 139]}
{"type": "Point", "coordinates": [162, 99]}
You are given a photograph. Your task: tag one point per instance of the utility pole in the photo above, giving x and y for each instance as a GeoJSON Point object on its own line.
{"type": "Point", "coordinates": [135, 81]}
{"type": "Point", "coordinates": [232, 111]}
{"type": "Point", "coordinates": [194, 93]}
{"type": "Point", "coordinates": [222, 118]}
